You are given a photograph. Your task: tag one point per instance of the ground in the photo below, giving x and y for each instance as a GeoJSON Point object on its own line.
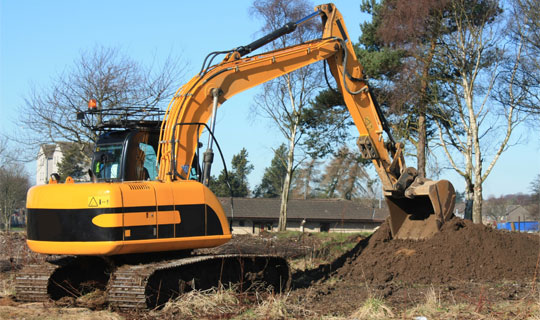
{"type": "Point", "coordinates": [466, 271]}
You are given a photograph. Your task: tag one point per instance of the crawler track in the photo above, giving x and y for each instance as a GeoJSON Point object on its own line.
{"type": "Point", "coordinates": [68, 276]}
{"type": "Point", "coordinates": [151, 284]}
{"type": "Point", "coordinates": [32, 282]}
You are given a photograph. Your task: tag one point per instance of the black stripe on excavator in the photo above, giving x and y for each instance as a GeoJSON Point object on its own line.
{"type": "Point", "coordinates": [76, 224]}
{"type": "Point", "coordinates": [165, 231]}
{"type": "Point", "coordinates": [341, 30]}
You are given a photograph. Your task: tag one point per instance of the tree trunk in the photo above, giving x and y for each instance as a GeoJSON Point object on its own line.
{"type": "Point", "coordinates": [469, 199]}
{"type": "Point", "coordinates": [421, 145]}
{"type": "Point", "coordinates": [282, 225]}
{"type": "Point", "coordinates": [477, 204]}
{"type": "Point", "coordinates": [4, 216]}
{"type": "Point", "coordinates": [307, 178]}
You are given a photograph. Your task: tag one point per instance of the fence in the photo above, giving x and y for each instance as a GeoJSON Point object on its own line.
{"type": "Point", "coordinates": [522, 226]}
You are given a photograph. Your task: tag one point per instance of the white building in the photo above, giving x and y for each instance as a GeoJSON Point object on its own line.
{"type": "Point", "coordinates": [48, 160]}
{"type": "Point", "coordinates": [49, 156]}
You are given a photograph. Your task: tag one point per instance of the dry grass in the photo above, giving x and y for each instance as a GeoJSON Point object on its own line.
{"type": "Point", "coordinates": [200, 304]}
{"type": "Point", "coordinates": [373, 308]}
{"type": "Point", "coordinates": [40, 311]}
{"type": "Point", "coordinates": [327, 248]}
{"type": "Point", "coordinates": [434, 308]}
{"type": "Point", "coordinates": [227, 303]}
{"type": "Point", "coordinates": [7, 285]}
{"type": "Point", "coordinates": [278, 307]}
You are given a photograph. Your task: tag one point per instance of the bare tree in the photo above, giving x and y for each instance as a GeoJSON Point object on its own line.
{"type": "Point", "coordinates": [284, 99]}
{"type": "Point", "coordinates": [495, 208]}
{"type": "Point", "coordinates": [486, 67]}
{"type": "Point", "coordinates": [524, 27]}
{"type": "Point", "coordinates": [534, 207]}
{"type": "Point", "coordinates": [14, 184]}
{"type": "Point", "coordinates": [3, 150]}
{"type": "Point", "coordinates": [114, 80]}
{"type": "Point", "coordinates": [345, 176]}
{"type": "Point", "coordinates": [305, 176]}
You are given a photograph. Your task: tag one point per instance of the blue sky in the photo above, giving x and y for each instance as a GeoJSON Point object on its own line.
{"type": "Point", "coordinates": [40, 39]}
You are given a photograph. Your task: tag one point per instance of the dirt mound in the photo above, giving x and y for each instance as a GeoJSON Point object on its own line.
{"type": "Point", "coordinates": [461, 251]}
{"type": "Point", "coordinates": [464, 263]}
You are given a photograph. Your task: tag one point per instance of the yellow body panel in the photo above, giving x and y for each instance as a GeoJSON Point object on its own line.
{"type": "Point", "coordinates": [168, 217]}
{"type": "Point", "coordinates": [109, 220]}
{"type": "Point", "coordinates": [71, 196]}
{"type": "Point", "coordinates": [122, 218]}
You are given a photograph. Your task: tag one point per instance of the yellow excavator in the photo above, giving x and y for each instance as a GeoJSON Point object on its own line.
{"type": "Point", "coordinates": [131, 229]}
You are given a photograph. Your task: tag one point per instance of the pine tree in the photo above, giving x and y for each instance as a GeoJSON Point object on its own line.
{"type": "Point", "coordinates": [272, 181]}
{"type": "Point", "coordinates": [75, 161]}
{"type": "Point", "coordinates": [241, 168]}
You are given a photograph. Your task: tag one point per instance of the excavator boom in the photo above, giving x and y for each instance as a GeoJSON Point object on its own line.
{"type": "Point", "coordinates": [418, 207]}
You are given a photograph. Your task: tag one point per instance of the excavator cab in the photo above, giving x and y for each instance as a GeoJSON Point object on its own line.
{"type": "Point", "coordinates": [127, 155]}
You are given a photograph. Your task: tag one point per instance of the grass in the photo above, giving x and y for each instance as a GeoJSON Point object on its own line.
{"type": "Point", "coordinates": [278, 307]}
{"type": "Point", "coordinates": [323, 247]}
{"type": "Point", "coordinates": [520, 309]}
{"type": "Point", "coordinates": [15, 229]}
{"type": "Point", "coordinates": [373, 308]}
{"type": "Point", "coordinates": [200, 304]}
{"type": "Point", "coordinates": [327, 236]}
{"type": "Point", "coordinates": [227, 304]}
{"type": "Point", "coordinates": [7, 286]}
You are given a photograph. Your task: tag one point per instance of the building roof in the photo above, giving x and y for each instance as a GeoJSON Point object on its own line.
{"type": "Point", "coordinates": [64, 145]}
{"type": "Point", "coordinates": [518, 213]}
{"type": "Point", "coordinates": [47, 150]}
{"type": "Point", "coordinates": [311, 209]}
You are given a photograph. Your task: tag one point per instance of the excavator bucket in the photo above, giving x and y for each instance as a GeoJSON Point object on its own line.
{"type": "Point", "coordinates": [426, 207]}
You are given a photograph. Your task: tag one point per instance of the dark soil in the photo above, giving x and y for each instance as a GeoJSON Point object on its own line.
{"type": "Point", "coordinates": [464, 260]}
{"type": "Point", "coordinates": [267, 243]}
{"type": "Point", "coordinates": [461, 251]}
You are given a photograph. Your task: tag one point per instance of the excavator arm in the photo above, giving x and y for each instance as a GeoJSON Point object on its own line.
{"type": "Point", "coordinates": [418, 207]}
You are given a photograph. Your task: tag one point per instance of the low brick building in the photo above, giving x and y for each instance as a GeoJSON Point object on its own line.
{"type": "Point", "coordinates": [252, 215]}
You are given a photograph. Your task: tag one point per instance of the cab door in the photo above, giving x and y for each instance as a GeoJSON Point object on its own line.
{"type": "Point", "coordinates": [168, 215]}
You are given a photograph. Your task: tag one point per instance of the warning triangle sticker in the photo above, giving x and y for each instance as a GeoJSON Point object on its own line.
{"type": "Point", "coordinates": [92, 202]}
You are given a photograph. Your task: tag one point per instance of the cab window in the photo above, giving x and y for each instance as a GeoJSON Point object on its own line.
{"type": "Point", "coordinates": [141, 157]}
{"type": "Point", "coordinates": [107, 161]}
{"type": "Point", "coordinates": [150, 160]}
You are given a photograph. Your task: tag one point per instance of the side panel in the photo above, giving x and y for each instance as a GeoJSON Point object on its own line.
{"type": "Point", "coordinates": [167, 216]}
{"type": "Point", "coordinates": [120, 218]}
{"type": "Point", "coordinates": [140, 211]}
{"type": "Point", "coordinates": [60, 218]}
{"type": "Point", "coordinates": [201, 212]}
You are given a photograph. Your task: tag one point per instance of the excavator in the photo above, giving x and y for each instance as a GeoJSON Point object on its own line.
{"type": "Point", "coordinates": [132, 229]}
